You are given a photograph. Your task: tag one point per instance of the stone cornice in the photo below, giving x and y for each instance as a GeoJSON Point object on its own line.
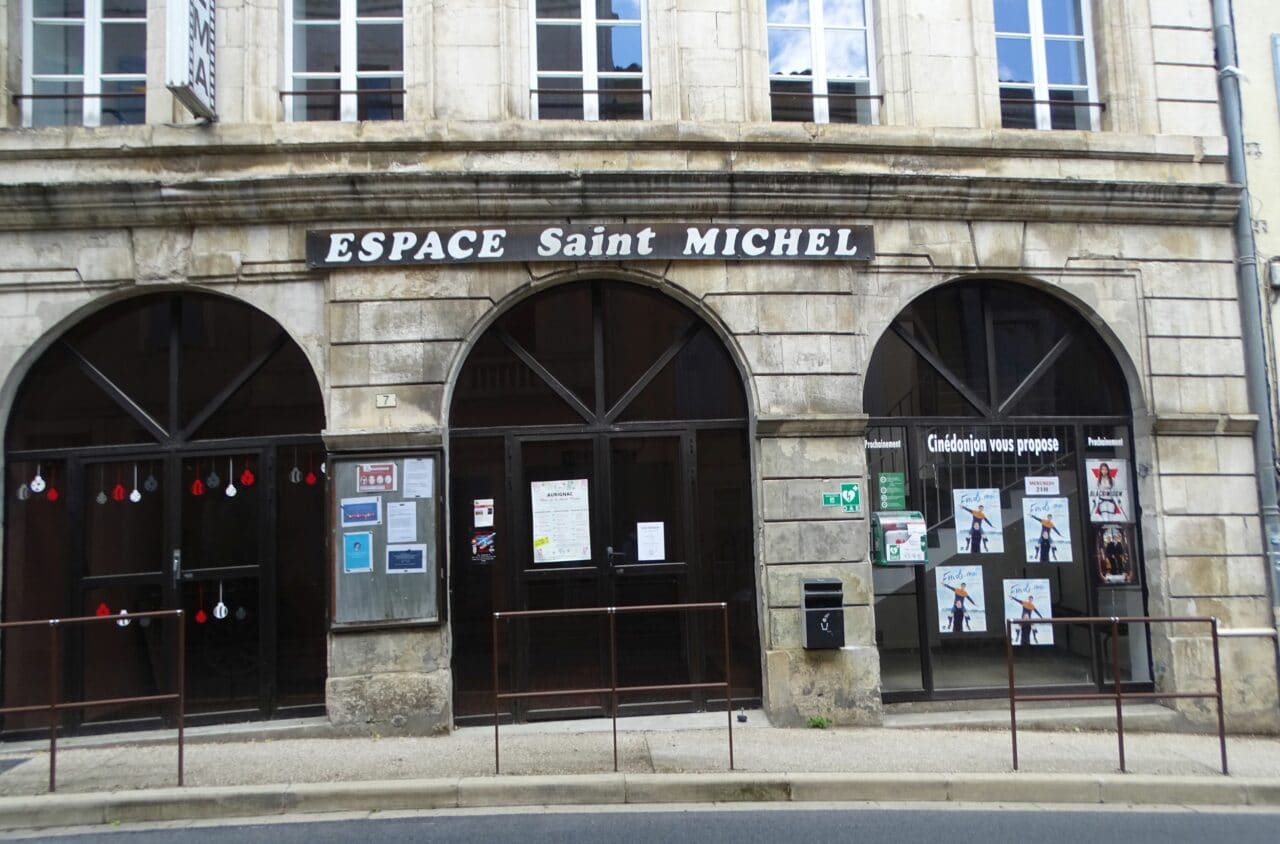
{"type": "Point", "coordinates": [345, 198]}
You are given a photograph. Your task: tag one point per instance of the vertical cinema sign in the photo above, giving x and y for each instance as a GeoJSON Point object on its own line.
{"type": "Point", "coordinates": [192, 51]}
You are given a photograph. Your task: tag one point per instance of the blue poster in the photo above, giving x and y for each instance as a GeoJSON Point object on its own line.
{"type": "Point", "coordinates": [357, 554]}
{"type": "Point", "coordinates": [406, 559]}
{"type": "Point", "coordinates": [359, 512]}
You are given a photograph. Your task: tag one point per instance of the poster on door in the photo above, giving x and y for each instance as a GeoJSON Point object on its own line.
{"type": "Point", "coordinates": [1048, 525]}
{"type": "Point", "coordinates": [1113, 556]}
{"type": "Point", "coordinates": [979, 525]}
{"type": "Point", "coordinates": [962, 602]}
{"type": "Point", "coordinates": [561, 521]}
{"type": "Point", "coordinates": [1025, 600]}
{"type": "Point", "coordinates": [1109, 498]}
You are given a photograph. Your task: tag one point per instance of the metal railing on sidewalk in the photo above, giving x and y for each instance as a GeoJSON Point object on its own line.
{"type": "Point", "coordinates": [613, 689]}
{"type": "Point", "coordinates": [1118, 694]}
{"type": "Point", "coordinates": [56, 706]}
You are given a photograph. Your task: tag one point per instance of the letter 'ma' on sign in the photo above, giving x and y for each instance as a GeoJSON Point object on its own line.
{"type": "Point", "coordinates": [596, 242]}
{"type": "Point", "coordinates": [190, 72]}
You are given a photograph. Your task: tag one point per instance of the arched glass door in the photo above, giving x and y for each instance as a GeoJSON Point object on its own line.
{"type": "Point", "coordinates": [159, 456]}
{"type": "Point", "coordinates": [1001, 415]}
{"type": "Point", "coordinates": [599, 457]}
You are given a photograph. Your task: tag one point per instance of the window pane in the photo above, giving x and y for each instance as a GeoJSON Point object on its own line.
{"type": "Point", "coordinates": [621, 99]}
{"type": "Point", "coordinates": [1014, 58]}
{"type": "Point", "coordinates": [118, 111]}
{"type": "Point", "coordinates": [58, 49]}
{"type": "Point", "coordinates": [378, 9]}
{"type": "Point", "coordinates": [56, 112]}
{"type": "Point", "coordinates": [618, 48]}
{"type": "Point", "coordinates": [844, 107]}
{"type": "Point", "coordinates": [559, 9]}
{"type": "Point", "coordinates": [1062, 17]}
{"type": "Point", "coordinates": [379, 47]}
{"type": "Point", "coordinates": [788, 11]}
{"type": "Point", "coordinates": [1070, 116]}
{"type": "Point", "coordinates": [316, 106]}
{"type": "Point", "coordinates": [58, 8]}
{"type": "Point", "coordinates": [124, 8]}
{"type": "Point", "coordinates": [315, 49]}
{"type": "Point", "coordinates": [316, 10]}
{"type": "Point", "coordinates": [790, 100]}
{"type": "Point", "coordinates": [842, 13]}
{"type": "Point", "coordinates": [618, 10]}
{"type": "Point", "coordinates": [1012, 16]}
{"type": "Point", "coordinates": [1065, 60]}
{"type": "Point", "coordinates": [789, 53]}
{"type": "Point", "coordinates": [555, 106]}
{"type": "Point", "coordinates": [846, 54]}
{"type": "Point", "coordinates": [560, 48]}
{"type": "Point", "coordinates": [124, 48]}
{"type": "Point", "coordinates": [1016, 110]}
{"type": "Point", "coordinates": [382, 105]}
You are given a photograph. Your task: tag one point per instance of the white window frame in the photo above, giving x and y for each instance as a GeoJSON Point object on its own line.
{"type": "Point", "coordinates": [586, 23]}
{"type": "Point", "coordinates": [348, 76]}
{"type": "Point", "coordinates": [91, 76]}
{"type": "Point", "coordinates": [1040, 68]}
{"type": "Point", "coordinates": [817, 29]}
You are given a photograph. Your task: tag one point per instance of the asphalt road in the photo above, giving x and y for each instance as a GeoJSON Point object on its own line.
{"type": "Point", "coordinates": [980, 824]}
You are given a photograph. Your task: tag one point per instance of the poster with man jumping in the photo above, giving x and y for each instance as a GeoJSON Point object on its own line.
{"type": "Point", "coordinates": [979, 526]}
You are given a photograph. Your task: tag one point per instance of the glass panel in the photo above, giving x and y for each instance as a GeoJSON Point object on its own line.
{"type": "Point", "coordinates": [639, 326]}
{"type": "Point", "coordinates": [316, 106]}
{"type": "Point", "coordinates": [316, 9]}
{"type": "Point", "coordinates": [316, 49]}
{"type": "Point", "coordinates": [224, 655]}
{"type": "Point", "coordinates": [1012, 16]}
{"type": "Point", "coordinates": [843, 13]}
{"type": "Point", "coordinates": [555, 327]}
{"type": "Point", "coordinates": [646, 489]}
{"type": "Point", "coordinates": [558, 8]}
{"type": "Point", "coordinates": [898, 628]}
{"type": "Point", "coordinates": [57, 112]}
{"type": "Point", "coordinates": [124, 8]}
{"type": "Point", "coordinates": [559, 47]}
{"type": "Point", "coordinates": [281, 398]}
{"type": "Point", "coordinates": [1065, 61]}
{"type": "Point", "coordinates": [379, 47]}
{"type": "Point", "coordinates": [553, 106]}
{"type": "Point", "coordinates": [1070, 116]}
{"type": "Point", "coordinates": [125, 661]}
{"type": "Point", "coordinates": [1062, 17]}
{"type": "Point", "coordinates": [220, 529]}
{"type": "Point", "coordinates": [700, 383]}
{"type": "Point", "coordinates": [58, 49]}
{"type": "Point", "coordinates": [1085, 381]}
{"type": "Point", "coordinates": [124, 48]}
{"type": "Point", "coordinates": [790, 100]}
{"type": "Point", "coordinates": [117, 111]}
{"type": "Point", "coordinates": [1016, 109]}
{"type": "Point", "coordinates": [617, 10]}
{"type": "Point", "coordinates": [545, 461]}
{"type": "Point", "coordinates": [845, 102]}
{"type": "Point", "coordinates": [1014, 57]}
{"type": "Point", "coordinates": [380, 106]}
{"type": "Point", "coordinates": [621, 99]}
{"type": "Point", "coordinates": [302, 593]}
{"type": "Point", "coordinates": [564, 652]}
{"type": "Point", "coordinates": [62, 8]}
{"type": "Point", "coordinates": [900, 383]}
{"type": "Point", "coordinates": [496, 388]}
{"type": "Point", "coordinates": [123, 536]}
{"type": "Point", "coordinates": [656, 644]}
{"type": "Point", "coordinates": [379, 8]}
{"type": "Point", "coordinates": [788, 11]}
{"type": "Point", "coordinates": [618, 49]}
{"type": "Point", "coordinates": [846, 54]}
{"type": "Point", "coordinates": [789, 52]}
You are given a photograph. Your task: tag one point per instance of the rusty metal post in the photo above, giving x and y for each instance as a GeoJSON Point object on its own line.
{"type": "Point", "coordinates": [1115, 677]}
{"type": "Point", "coordinates": [613, 680]}
{"type": "Point", "coordinates": [1013, 712]}
{"type": "Point", "coordinates": [182, 690]}
{"type": "Point", "coordinates": [53, 704]}
{"type": "Point", "coordinates": [1217, 686]}
{"type": "Point", "coordinates": [728, 679]}
{"type": "Point", "coordinates": [496, 765]}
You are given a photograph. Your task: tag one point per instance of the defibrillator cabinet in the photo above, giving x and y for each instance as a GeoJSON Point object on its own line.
{"type": "Point", "coordinates": [899, 538]}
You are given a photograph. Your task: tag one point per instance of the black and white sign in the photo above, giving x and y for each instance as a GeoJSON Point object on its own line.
{"type": "Point", "coordinates": [192, 55]}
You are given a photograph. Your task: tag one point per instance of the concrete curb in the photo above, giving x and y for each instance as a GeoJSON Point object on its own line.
{"type": "Point", "coordinates": [204, 803]}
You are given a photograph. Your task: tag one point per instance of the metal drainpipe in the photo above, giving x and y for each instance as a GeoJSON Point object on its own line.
{"type": "Point", "coordinates": [1249, 292]}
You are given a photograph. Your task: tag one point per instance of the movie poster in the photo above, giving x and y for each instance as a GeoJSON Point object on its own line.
{"type": "Point", "coordinates": [1113, 554]}
{"type": "Point", "coordinates": [1109, 496]}
{"type": "Point", "coordinates": [962, 604]}
{"type": "Point", "coordinates": [979, 528]}
{"type": "Point", "coordinates": [1048, 525]}
{"type": "Point", "coordinates": [1025, 600]}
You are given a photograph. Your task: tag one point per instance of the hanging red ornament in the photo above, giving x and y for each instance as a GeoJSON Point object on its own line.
{"type": "Point", "coordinates": [246, 477]}
{"type": "Point", "coordinates": [118, 493]}
{"type": "Point", "coordinates": [310, 478]}
{"type": "Point", "coordinates": [197, 487]}
{"type": "Point", "coordinates": [52, 494]}
{"type": "Point", "coordinates": [201, 616]}
{"type": "Point", "coordinates": [102, 609]}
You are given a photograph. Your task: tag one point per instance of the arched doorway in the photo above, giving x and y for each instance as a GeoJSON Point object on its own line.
{"type": "Point", "coordinates": [175, 439]}
{"type": "Point", "coordinates": [626, 407]}
{"type": "Point", "coordinates": [999, 413]}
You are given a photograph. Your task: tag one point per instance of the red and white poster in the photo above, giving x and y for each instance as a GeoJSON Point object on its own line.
{"type": "Point", "coordinates": [376, 477]}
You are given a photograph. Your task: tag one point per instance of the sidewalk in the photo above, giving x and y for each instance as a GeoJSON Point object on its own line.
{"type": "Point", "coordinates": [269, 768]}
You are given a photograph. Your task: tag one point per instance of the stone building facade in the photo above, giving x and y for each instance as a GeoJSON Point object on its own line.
{"type": "Point", "coordinates": [1124, 222]}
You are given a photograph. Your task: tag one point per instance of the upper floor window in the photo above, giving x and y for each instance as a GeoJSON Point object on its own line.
{"type": "Point", "coordinates": [345, 60]}
{"type": "Point", "coordinates": [85, 62]}
{"type": "Point", "coordinates": [821, 62]}
{"type": "Point", "coordinates": [589, 60]}
{"type": "Point", "coordinates": [1046, 64]}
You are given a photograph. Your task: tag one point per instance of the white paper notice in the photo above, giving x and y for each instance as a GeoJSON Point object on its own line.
{"type": "Point", "coordinates": [561, 521]}
{"type": "Point", "coordinates": [419, 478]}
{"type": "Point", "coordinates": [651, 541]}
{"type": "Point", "coordinates": [482, 508]}
{"type": "Point", "coordinates": [402, 521]}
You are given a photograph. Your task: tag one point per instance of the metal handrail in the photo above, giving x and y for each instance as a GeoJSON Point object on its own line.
{"type": "Point", "coordinates": [613, 688]}
{"type": "Point", "coordinates": [1117, 694]}
{"type": "Point", "coordinates": [54, 706]}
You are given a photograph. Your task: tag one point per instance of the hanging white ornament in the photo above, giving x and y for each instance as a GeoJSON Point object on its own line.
{"type": "Point", "coordinates": [123, 620]}
{"type": "Point", "coordinates": [220, 609]}
{"type": "Point", "coordinates": [295, 474]}
{"type": "Point", "coordinates": [135, 496]}
{"type": "Point", "coordinates": [37, 483]}
{"type": "Point", "coordinates": [231, 483]}
{"type": "Point", "coordinates": [101, 498]}
{"type": "Point", "coordinates": [24, 492]}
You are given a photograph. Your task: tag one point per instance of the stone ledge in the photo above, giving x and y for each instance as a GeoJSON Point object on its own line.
{"type": "Point", "coordinates": [347, 441]}
{"type": "Point", "coordinates": [1204, 423]}
{"type": "Point", "coordinates": [811, 426]}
